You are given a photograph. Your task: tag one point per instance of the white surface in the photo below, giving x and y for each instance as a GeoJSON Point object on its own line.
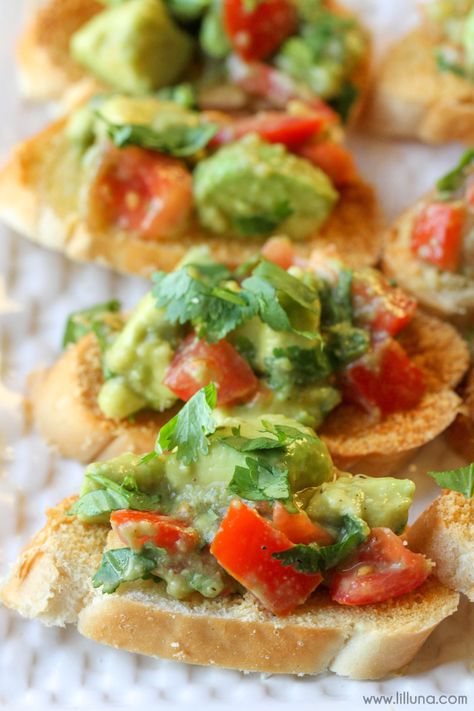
{"type": "Point", "coordinates": [51, 668]}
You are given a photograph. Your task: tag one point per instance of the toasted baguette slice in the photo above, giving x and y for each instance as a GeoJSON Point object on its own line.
{"type": "Point", "coordinates": [411, 98]}
{"type": "Point", "coordinates": [443, 293]}
{"type": "Point", "coordinates": [39, 189]}
{"type": "Point", "coordinates": [64, 405]}
{"type": "Point", "coordinates": [51, 582]}
{"type": "Point", "coordinates": [461, 433]}
{"type": "Point", "coordinates": [445, 533]}
{"type": "Point", "coordinates": [360, 444]}
{"type": "Point", "coordinates": [47, 70]}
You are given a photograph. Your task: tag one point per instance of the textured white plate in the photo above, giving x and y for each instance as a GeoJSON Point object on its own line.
{"type": "Point", "coordinates": [51, 668]}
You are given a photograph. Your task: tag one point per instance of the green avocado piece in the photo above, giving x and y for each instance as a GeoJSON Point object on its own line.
{"type": "Point", "coordinates": [468, 43]}
{"type": "Point", "coordinates": [139, 358]}
{"type": "Point", "coordinates": [149, 474]}
{"type": "Point", "coordinates": [253, 188]}
{"type": "Point", "coordinates": [212, 37]}
{"type": "Point", "coordinates": [134, 47]}
{"type": "Point", "coordinates": [379, 501]}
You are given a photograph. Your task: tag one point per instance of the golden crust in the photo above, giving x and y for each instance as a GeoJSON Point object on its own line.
{"type": "Point", "coordinates": [410, 98]}
{"type": "Point", "coordinates": [362, 444]}
{"type": "Point", "coordinates": [56, 567]}
{"type": "Point", "coordinates": [445, 533]}
{"type": "Point", "coordinates": [38, 198]}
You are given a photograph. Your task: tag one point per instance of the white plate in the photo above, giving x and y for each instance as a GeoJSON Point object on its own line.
{"type": "Point", "coordinates": [54, 668]}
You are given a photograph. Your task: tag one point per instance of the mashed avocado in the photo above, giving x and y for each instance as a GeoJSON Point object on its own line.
{"type": "Point", "coordinates": [380, 501]}
{"type": "Point", "coordinates": [254, 188]}
{"type": "Point", "coordinates": [138, 360]}
{"type": "Point", "coordinates": [134, 47]}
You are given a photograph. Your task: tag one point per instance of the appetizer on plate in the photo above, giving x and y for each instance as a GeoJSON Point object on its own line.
{"type": "Point", "coordinates": [430, 248]}
{"type": "Point", "coordinates": [335, 348]}
{"type": "Point", "coordinates": [239, 545]}
{"type": "Point", "coordinates": [232, 54]}
{"type": "Point", "coordinates": [445, 531]}
{"type": "Point", "coordinates": [424, 88]}
{"type": "Point", "coordinates": [135, 182]}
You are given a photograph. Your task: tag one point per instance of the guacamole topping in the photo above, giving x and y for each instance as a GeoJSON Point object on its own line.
{"type": "Point", "coordinates": [452, 22]}
{"type": "Point", "coordinates": [224, 506]}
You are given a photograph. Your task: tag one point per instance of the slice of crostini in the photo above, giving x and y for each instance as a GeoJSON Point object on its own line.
{"type": "Point", "coordinates": [375, 378]}
{"type": "Point", "coordinates": [445, 531]}
{"type": "Point", "coordinates": [424, 87]}
{"type": "Point", "coordinates": [429, 250]}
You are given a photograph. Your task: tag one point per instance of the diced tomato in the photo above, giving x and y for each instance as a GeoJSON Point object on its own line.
{"type": "Point", "coordinates": [280, 251]}
{"type": "Point", "coordinates": [298, 527]}
{"type": "Point", "coordinates": [469, 191]}
{"type": "Point", "coordinates": [142, 192]}
{"type": "Point", "coordinates": [377, 305]}
{"type": "Point", "coordinates": [385, 379]}
{"type": "Point", "coordinates": [197, 363]}
{"type": "Point", "coordinates": [437, 234]}
{"type": "Point", "coordinates": [381, 568]}
{"type": "Point", "coordinates": [135, 528]}
{"type": "Point", "coordinates": [333, 159]}
{"type": "Point", "coordinates": [256, 29]}
{"type": "Point", "coordinates": [243, 546]}
{"type": "Point", "coordinates": [274, 127]}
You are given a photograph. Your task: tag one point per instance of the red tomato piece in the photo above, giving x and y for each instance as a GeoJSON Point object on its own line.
{"type": "Point", "coordinates": [142, 192]}
{"type": "Point", "coordinates": [280, 251]}
{"type": "Point", "coordinates": [377, 305]}
{"type": "Point", "coordinates": [437, 234]}
{"type": "Point", "coordinates": [243, 546]}
{"type": "Point", "coordinates": [135, 528]}
{"type": "Point", "coordinates": [381, 568]}
{"type": "Point", "coordinates": [257, 29]}
{"type": "Point", "coordinates": [298, 527]}
{"type": "Point", "coordinates": [385, 379]}
{"type": "Point", "coordinates": [274, 127]}
{"type": "Point", "coordinates": [333, 159]}
{"type": "Point", "coordinates": [197, 363]}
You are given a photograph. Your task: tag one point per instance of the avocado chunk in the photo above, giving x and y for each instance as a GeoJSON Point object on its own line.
{"type": "Point", "coordinates": [252, 188]}
{"type": "Point", "coordinates": [134, 47]}
{"type": "Point", "coordinates": [468, 43]}
{"type": "Point", "coordinates": [139, 357]}
{"type": "Point", "coordinates": [381, 501]}
{"type": "Point", "coordinates": [148, 474]}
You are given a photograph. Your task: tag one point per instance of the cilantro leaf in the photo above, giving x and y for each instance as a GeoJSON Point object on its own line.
{"type": "Point", "coordinates": [276, 293]}
{"type": "Point", "coordinates": [187, 431]}
{"type": "Point", "coordinates": [296, 365]}
{"type": "Point", "coordinates": [336, 300]}
{"type": "Point", "coordinates": [96, 505]}
{"type": "Point", "coordinates": [461, 479]}
{"type": "Point", "coordinates": [283, 436]}
{"type": "Point", "coordinates": [345, 343]}
{"type": "Point", "coordinates": [452, 181]}
{"type": "Point", "coordinates": [263, 222]}
{"type": "Point", "coordinates": [259, 481]}
{"type": "Point", "coordinates": [344, 101]}
{"type": "Point", "coordinates": [194, 294]}
{"type": "Point", "coordinates": [287, 434]}
{"type": "Point", "coordinates": [179, 140]}
{"type": "Point", "coordinates": [123, 565]}
{"type": "Point", "coordinates": [93, 319]}
{"type": "Point", "coordinates": [444, 64]}
{"type": "Point", "coordinates": [316, 559]}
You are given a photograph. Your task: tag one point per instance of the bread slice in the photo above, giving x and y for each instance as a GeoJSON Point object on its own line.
{"type": "Point", "coordinates": [47, 70]}
{"type": "Point", "coordinates": [51, 582]}
{"type": "Point", "coordinates": [445, 533]}
{"type": "Point", "coordinates": [362, 444]}
{"type": "Point", "coordinates": [461, 433]}
{"type": "Point", "coordinates": [411, 98]}
{"type": "Point", "coordinates": [442, 293]}
{"type": "Point", "coordinates": [39, 189]}
{"type": "Point", "coordinates": [64, 406]}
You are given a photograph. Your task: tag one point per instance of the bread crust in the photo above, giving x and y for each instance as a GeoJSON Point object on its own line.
{"type": "Point", "coordinates": [235, 633]}
{"type": "Point", "coordinates": [461, 433]}
{"type": "Point", "coordinates": [65, 410]}
{"type": "Point", "coordinates": [410, 98]}
{"type": "Point", "coordinates": [445, 533]}
{"type": "Point", "coordinates": [38, 198]}
{"type": "Point", "coordinates": [444, 294]}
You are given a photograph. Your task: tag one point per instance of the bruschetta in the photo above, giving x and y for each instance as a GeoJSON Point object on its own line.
{"type": "Point", "coordinates": [339, 349]}
{"type": "Point", "coordinates": [214, 553]}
